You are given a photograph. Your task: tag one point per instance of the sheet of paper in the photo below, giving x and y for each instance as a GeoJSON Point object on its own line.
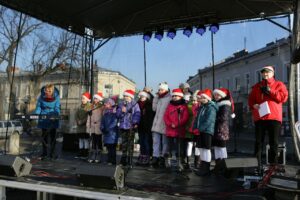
{"type": "Point", "coordinates": [264, 109]}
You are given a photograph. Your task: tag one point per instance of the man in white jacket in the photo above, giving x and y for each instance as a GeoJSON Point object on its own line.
{"type": "Point", "coordinates": [160, 143]}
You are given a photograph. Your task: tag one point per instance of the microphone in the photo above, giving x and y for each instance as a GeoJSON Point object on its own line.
{"type": "Point", "coordinates": [178, 110]}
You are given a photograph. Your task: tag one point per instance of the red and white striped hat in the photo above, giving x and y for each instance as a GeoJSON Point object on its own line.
{"type": "Point", "coordinates": [267, 68]}
{"type": "Point", "coordinates": [99, 96]}
{"type": "Point", "coordinates": [87, 96]}
{"type": "Point", "coordinates": [129, 93]}
{"type": "Point", "coordinates": [223, 92]}
{"type": "Point", "coordinates": [177, 92]}
{"type": "Point", "coordinates": [206, 93]}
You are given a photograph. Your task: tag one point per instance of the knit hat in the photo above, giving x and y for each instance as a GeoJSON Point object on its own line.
{"type": "Point", "coordinates": [129, 93]}
{"type": "Point", "coordinates": [110, 101]}
{"type": "Point", "coordinates": [144, 94]}
{"type": "Point", "coordinates": [163, 86]}
{"type": "Point", "coordinates": [99, 96]}
{"type": "Point", "coordinates": [87, 96]}
{"type": "Point", "coordinates": [206, 93]}
{"type": "Point", "coordinates": [184, 85]}
{"type": "Point", "coordinates": [147, 89]}
{"type": "Point", "coordinates": [267, 68]}
{"type": "Point", "coordinates": [223, 92]}
{"type": "Point", "coordinates": [177, 92]}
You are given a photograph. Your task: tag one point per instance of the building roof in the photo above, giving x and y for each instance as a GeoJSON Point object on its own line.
{"type": "Point", "coordinates": [244, 54]}
{"type": "Point", "coordinates": [116, 18]}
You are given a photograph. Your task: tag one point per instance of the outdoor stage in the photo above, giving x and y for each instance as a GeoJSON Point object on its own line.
{"type": "Point", "coordinates": [60, 177]}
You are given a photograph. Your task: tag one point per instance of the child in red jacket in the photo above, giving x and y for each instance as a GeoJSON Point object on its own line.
{"type": "Point", "coordinates": [176, 117]}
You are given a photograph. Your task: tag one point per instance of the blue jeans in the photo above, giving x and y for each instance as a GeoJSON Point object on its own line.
{"type": "Point", "coordinates": [145, 141]}
{"type": "Point", "coordinates": [160, 144]}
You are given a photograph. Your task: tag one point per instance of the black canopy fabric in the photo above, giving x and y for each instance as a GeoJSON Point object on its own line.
{"type": "Point", "coordinates": [113, 18]}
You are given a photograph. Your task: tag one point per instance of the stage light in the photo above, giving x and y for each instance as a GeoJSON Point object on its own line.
{"type": "Point", "coordinates": [159, 35]}
{"type": "Point", "coordinates": [188, 31]}
{"type": "Point", "coordinates": [171, 33]}
{"type": "Point", "coordinates": [147, 36]}
{"type": "Point", "coordinates": [214, 28]}
{"type": "Point", "coordinates": [201, 30]}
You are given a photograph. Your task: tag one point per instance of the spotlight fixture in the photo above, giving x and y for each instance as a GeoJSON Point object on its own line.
{"type": "Point", "coordinates": [188, 31]}
{"type": "Point", "coordinates": [159, 35]}
{"type": "Point", "coordinates": [214, 28]}
{"type": "Point", "coordinates": [201, 30]}
{"type": "Point", "coordinates": [147, 36]}
{"type": "Point", "coordinates": [171, 33]}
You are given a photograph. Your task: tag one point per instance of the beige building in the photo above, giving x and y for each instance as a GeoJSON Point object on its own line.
{"type": "Point", "coordinates": [109, 82]}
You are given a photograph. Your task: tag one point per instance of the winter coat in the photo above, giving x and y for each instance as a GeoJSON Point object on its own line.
{"type": "Point", "coordinates": [131, 117]}
{"type": "Point", "coordinates": [178, 115]}
{"type": "Point", "coordinates": [159, 106]}
{"type": "Point", "coordinates": [222, 120]}
{"type": "Point", "coordinates": [206, 118]}
{"type": "Point", "coordinates": [81, 117]}
{"type": "Point", "coordinates": [44, 107]}
{"type": "Point", "coordinates": [193, 110]}
{"type": "Point", "coordinates": [109, 127]}
{"type": "Point", "coordinates": [94, 119]}
{"type": "Point", "coordinates": [278, 95]}
{"type": "Point", "coordinates": [147, 116]}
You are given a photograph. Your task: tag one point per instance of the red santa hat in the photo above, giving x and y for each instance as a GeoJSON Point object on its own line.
{"type": "Point", "coordinates": [223, 92]}
{"type": "Point", "coordinates": [99, 96]}
{"type": "Point", "coordinates": [144, 94]}
{"type": "Point", "coordinates": [206, 93]}
{"type": "Point", "coordinates": [87, 96]}
{"type": "Point", "coordinates": [129, 93]}
{"type": "Point", "coordinates": [267, 68]}
{"type": "Point", "coordinates": [177, 92]}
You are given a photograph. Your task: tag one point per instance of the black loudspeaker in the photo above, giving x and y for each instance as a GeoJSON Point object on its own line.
{"type": "Point", "coordinates": [237, 166]}
{"type": "Point", "coordinates": [14, 166]}
{"type": "Point", "coordinates": [108, 177]}
{"type": "Point", "coordinates": [70, 142]}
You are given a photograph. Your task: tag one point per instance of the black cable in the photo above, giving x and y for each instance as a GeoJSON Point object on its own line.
{"type": "Point", "coordinates": [12, 82]}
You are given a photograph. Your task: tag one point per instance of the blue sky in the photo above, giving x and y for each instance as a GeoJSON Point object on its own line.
{"type": "Point", "coordinates": [175, 60]}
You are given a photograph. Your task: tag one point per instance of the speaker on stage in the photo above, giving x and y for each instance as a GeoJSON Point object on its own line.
{"type": "Point", "coordinates": [237, 166]}
{"type": "Point", "coordinates": [108, 177]}
{"type": "Point", "coordinates": [14, 166]}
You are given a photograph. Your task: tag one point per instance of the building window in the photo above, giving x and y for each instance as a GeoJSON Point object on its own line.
{"type": "Point", "coordinates": [237, 83]}
{"type": "Point", "coordinates": [219, 83]}
{"type": "Point", "coordinates": [64, 92]}
{"type": "Point", "coordinates": [247, 83]}
{"type": "Point", "coordinates": [228, 83]}
{"type": "Point", "coordinates": [286, 72]}
{"type": "Point", "coordinates": [258, 76]}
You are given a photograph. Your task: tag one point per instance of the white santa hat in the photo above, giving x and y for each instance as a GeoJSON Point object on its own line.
{"type": "Point", "coordinates": [144, 94]}
{"type": "Point", "coordinates": [163, 86]}
{"type": "Point", "coordinates": [129, 93]}
{"type": "Point", "coordinates": [223, 92]}
{"type": "Point", "coordinates": [177, 92]}
{"type": "Point", "coordinates": [99, 96]}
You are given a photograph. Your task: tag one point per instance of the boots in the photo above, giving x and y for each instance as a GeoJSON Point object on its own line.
{"type": "Point", "coordinates": [161, 162]}
{"type": "Point", "coordinates": [154, 162]}
{"type": "Point", "coordinates": [146, 160]}
{"type": "Point", "coordinates": [98, 157]}
{"type": "Point", "coordinates": [197, 162]}
{"type": "Point", "coordinates": [139, 160]}
{"type": "Point", "coordinates": [92, 155]}
{"type": "Point", "coordinates": [204, 169]}
{"type": "Point", "coordinates": [168, 163]}
{"type": "Point", "coordinates": [180, 166]}
{"type": "Point", "coordinates": [123, 160]}
{"type": "Point", "coordinates": [220, 167]}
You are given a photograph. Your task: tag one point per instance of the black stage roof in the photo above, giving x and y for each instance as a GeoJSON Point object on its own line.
{"type": "Point", "coordinates": [113, 18]}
